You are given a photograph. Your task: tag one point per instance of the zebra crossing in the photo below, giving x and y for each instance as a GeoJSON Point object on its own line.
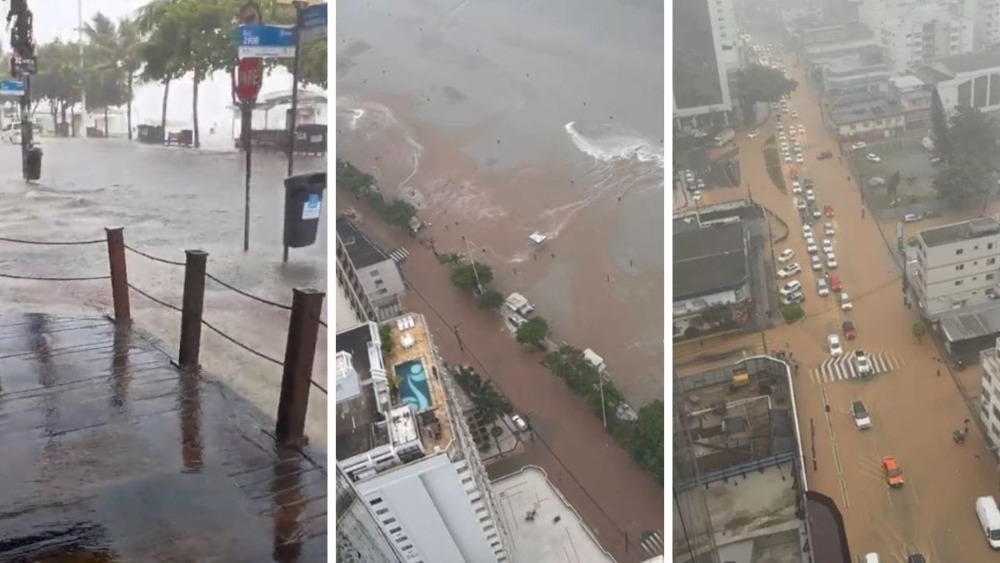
{"type": "Point", "coordinates": [651, 543]}
{"type": "Point", "coordinates": [843, 367]}
{"type": "Point", "coordinates": [399, 255]}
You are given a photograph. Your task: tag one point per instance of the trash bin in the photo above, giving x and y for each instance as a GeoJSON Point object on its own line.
{"type": "Point", "coordinates": [303, 203]}
{"type": "Point", "coordinates": [34, 164]}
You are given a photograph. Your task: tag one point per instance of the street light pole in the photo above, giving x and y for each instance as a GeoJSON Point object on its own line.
{"type": "Point", "coordinates": [83, 89]}
{"type": "Point", "coordinates": [293, 118]}
{"type": "Point", "coordinates": [468, 252]}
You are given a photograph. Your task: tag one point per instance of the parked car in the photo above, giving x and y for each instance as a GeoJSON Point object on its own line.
{"type": "Point", "coordinates": [876, 182]}
{"type": "Point", "coordinates": [696, 196]}
{"type": "Point", "coordinates": [822, 288]}
{"type": "Point", "coordinates": [816, 214]}
{"type": "Point", "coordinates": [811, 247]}
{"type": "Point", "coordinates": [893, 473]}
{"type": "Point", "coordinates": [520, 423]}
{"type": "Point", "coordinates": [859, 145]}
{"type": "Point", "coordinates": [796, 187]}
{"type": "Point", "coordinates": [827, 246]}
{"type": "Point", "coordinates": [828, 210]}
{"type": "Point", "coordinates": [824, 155]}
{"type": "Point", "coordinates": [800, 159]}
{"type": "Point", "coordinates": [810, 195]}
{"type": "Point", "coordinates": [790, 287]}
{"type": "Point", "coordinates": [862, 363]}
{"type": "Point", "coordinates": [845, 302]}
{"type": "Point", "coordinates": [753, 133]}
{"type": "Point", "coordinates": [788, 157]}
{"type": "Point", "coordinates": [861, 417]}
{"type": "Point", "coordinates": [786, 255]}
{"type": "Point", "coordinates": [835, 283]}
{"type": "Point", "coordinates": [807, 231]}
{"type": "Point", "coordinates": [872, 157]}
{"type": "Point", "coordinates": [831, 260]}
{"type": "Point", "coordinates": [789, 270]}
{"type": "Point", "coordinates": [911, 218]}
{"type": "Point", "coordinates": [833, 343]}
{"type": "Point", "coordinates": [848, 329]}
{"type": "Point", "coordinates": [828, 229]}
{"type": "Point", "coordinates": [793, 298]}
{"type": "Point", "coordinates": [817, 264]}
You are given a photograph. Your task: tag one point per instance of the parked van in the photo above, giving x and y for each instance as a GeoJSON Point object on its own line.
{"type": "Point", "coordinates": [835, 283]}
{"type": "Point", "coordinates": [989, 519]}
{"type": "Point", "coordinates": [871, 558]}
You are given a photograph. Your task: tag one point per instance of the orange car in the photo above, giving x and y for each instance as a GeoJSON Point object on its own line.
{"type": "Point", "coordinates": [893, 474]}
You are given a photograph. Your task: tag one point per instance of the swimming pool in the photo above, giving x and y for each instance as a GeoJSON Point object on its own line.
{"type": "Point", "coordinates": [413, 390]}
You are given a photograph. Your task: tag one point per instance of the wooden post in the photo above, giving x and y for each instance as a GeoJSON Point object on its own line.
{"type": "Point", "coordinates": [300, 351]}
{"type": "Point", "coordinates": [119, 274]}
{"type": "Point", "coordinates": [192, 307]}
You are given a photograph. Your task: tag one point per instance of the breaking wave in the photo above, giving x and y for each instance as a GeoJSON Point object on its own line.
{"type": "Point", "coordinates": [615, 146]}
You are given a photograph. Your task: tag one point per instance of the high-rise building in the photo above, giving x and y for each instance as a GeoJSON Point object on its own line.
{"type": "Point", "coordinates": [701, 85]}
{"type": "Point", "coordinates": [986, 15]}
{"type": "Point", "coordinates": [360, 539]}
{"type": "Point", "coordinates": [916, 31]}
{"type": "Point", "coordinates": [371, 280]}
{"type": "Point", "coordinates": [404, 447]}
{"type": "Point", "coordinates": [956, 267]}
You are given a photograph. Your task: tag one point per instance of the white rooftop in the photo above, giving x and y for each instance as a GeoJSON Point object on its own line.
{"type": "Point", "coordinates": [906, 82]}
{"type": "Point", "coordinates": [543, 539]}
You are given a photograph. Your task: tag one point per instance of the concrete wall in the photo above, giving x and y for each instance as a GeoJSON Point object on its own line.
{"type": "Point", "coordinates": [947, 279]}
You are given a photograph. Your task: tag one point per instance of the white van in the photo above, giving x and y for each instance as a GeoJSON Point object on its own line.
{"type": "Point", "coordinates": [871, 558]}
{"type": "Point", "coordinates": [989, 519]}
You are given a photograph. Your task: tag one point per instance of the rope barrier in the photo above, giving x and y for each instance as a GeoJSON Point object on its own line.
{"type": "Point", "coordinates": [318, 386]}
{"type": "Point", "coordinates": [52, 243]}
{"type": "Point", "coordinates": [249, 295]}
{"type": "Point", "coordinates": [153, 299]}
{"type": "Point", "coordinates": [322, 323]}
{"type": "Point", "coordinates": [54, 279]}
{"type": "Point", "coordinates": [241, 345]}
{"type": "Point", "coordinates": [153, 258]}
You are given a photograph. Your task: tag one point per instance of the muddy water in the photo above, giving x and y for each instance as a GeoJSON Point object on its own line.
{"type": "Point", "coordinates": [914, 410]}
{"type": "Point", "coordinates": [492, 143]}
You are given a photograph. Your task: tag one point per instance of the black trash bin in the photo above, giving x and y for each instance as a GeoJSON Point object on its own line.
{"type": "Point", "coordinates": [303, 203]}
{"type": "Point", "coordinates": [34, 163]}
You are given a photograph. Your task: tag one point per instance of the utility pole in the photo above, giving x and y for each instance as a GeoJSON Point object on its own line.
{"type": "Point", "coordinates": [475, 272]}
{"type": "Point", "coordinates": [83, 89]}
{"type": "Point", "coordinates": [293, 117]}
{"type": "Point", "coordinates": [22, 63]}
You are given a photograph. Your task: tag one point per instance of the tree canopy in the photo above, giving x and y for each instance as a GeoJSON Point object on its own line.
{"type": "Point", "coordinates": [961, 181]}
{"type": "Point", "coordinates": [759, 83]}
{"type": "Point", "coordinates": [973, 135]}
{"type": "Point", "coordinates": [533, 332]}
{"type": "Point", "coordinates": [464, 275]}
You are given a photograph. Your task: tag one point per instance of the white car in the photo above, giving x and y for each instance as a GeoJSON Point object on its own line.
{"type": "Point", "coordinates": [822, 288]}
{"type": "Point", "coordinates": [828, 229]}
{"type": "Point", "coordinates": [859, 145]}
{"type": "Point", "coordinates": [811, 247]}
{"type": "Point", "coordinates": [831, 260]}
{"type": "Point", "coordinates": [796, 187]}
{"type": "Point", "coordinates": [810, 195]}
{"type": "Point", "coordinates": [817, 264]}
{"type": "Point", "coordinates": [816, 213]}
{"type": "Point", "coordinates": [795, 297]}
{"type": "Point", "coordinates": [833, 343]}
{"type": "Point", "coordinates": [753, 133]}
{"type": "Point", "coordinates": [795, 115]}
{"type": "Point", "coordinates": [807, 231]}
{"type": "Point", "coordinates": [788, 157]}
{"type": "Point", "coordinates": [845, 302]}
{"type": "Point", "coordinates": [861, 417]}
{"type": "Point", "coordinates": [790, 288]}
{"type": "Point", "coordinates": [786, 255]}
{"type": "Point", "coordinates": [783, 144]}
{"type": "Point", "coordinates": [696, 196]}
{"type": "Point", "coordinates": [862, 362]}
{"type": "Point", "coordinates": [789, 270]}
{"type": "Point", "coordinates": [800, 203]}
{"type": "Point", "coordinates": [827, 246]}
{"type": "Point", "coordinates": [520, 423]}
{"type": "Point", "coordinates": [872, 157]}
{"type": "Point", "coordinates": [800, 159]}
{"type": "Point", "coordinates": [802, 129]}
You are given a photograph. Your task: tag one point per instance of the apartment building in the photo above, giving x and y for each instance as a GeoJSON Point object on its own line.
{"type": "Point", "coordinates": [989, 406]}
{"type": "Point", "coordinates": [372, 284]}
{"type": "Point", "coordinates": [359, 537]}
{"type": "Point", "coordinates": [702, 96]}
{"type": "Point", "coordinates": [957, 267]}
{"type": "Point", "coordinates": [922, 34]}
{"type": "Point", "coordinates": [971, 80]}
{"type": "Point", "coordinates": [986, 15]}
{"type": "Point", "coordinates": [406, 451]}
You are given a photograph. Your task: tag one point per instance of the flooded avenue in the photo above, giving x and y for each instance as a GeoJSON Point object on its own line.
{"type": "Point", "coordinates": [168, 200]}
{"type": "Point", "coordinates": [914, 409]}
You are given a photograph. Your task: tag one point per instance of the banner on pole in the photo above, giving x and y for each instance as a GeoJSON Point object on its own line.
{"type": "Point", "coordinates": [265, 41]}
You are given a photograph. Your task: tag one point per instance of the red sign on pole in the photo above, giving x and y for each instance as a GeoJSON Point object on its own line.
{"type": "Point", "coordinates": [249, 75]}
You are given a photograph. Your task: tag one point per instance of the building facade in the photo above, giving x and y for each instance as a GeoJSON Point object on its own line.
{"type": "Point", "coordinates": [403, 445]}
{"type": "Point", "coordinates": [924, 34]}
{"type": "Point", "coordinates": [971, 80]}
{"type": "Point", "coordinates": [956, 267]}
{"type": "Point", "coordinates": [989, 407]}
{"type": "Point", "coordinates": [702, 98]}
{"type": "Point", "coordinates": [359, 537]}
{"type": "Point", "coordinates": [914, 98]}
{"type": "Point", "coordinates": [865, 116]}
{"type": "Point", "coordinates": [371, 280]}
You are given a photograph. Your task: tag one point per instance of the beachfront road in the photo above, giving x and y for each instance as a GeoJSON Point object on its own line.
{"type": "Point", "coordinates": [913, 409]}
{"type": "Point", "coordinates": [615, 497]}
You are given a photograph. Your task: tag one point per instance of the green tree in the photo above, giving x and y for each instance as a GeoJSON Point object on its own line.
{"type": "Point", "coordinates": [892, 185]}
{"type": "Point", "coordinates": [961, 181]}
{"type": "Point", "coordinates": [646, 440]}
{"type": "Point", "coordinates": [758, 83]}
{"type": "Point", "coordinates": [58, 78]}
{"type": "Point", "coordinates": [491, 299]}
{"type": "Point", "coordinates": [161, 58]}
{"type": "Point", "coordinates": [534, 331]}
{"type": "Point", "coordinates": [972, 135]}
{"type": "Point", "coordinates": [919, 330]}
{"type": "Point", "coordinates": [312, 69]}
{"type": "Point", "coordinates": [385, 337]}
{"type": "Point", "coordinates": [464, 275]}
{"type": "Point", "coordinates": [113, 61]}
{"type": "Point", "coordinates": [939, 124]}
{"type": "Point", "coordinates": [792, 312]}
{"type": "Point", "coordinates": [484, 396]}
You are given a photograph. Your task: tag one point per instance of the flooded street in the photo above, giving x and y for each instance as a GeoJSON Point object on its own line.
{"type": "Point", "coordinates": [168, 200]}
{"type": "Point", "coordinates": [494, 135]}
{"type": "Point", "coordinates": [914, 403]}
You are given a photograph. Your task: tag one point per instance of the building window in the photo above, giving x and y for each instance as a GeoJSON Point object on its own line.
{"type": "Point", "coordinates": [379, 283]}
{"type": "Point", "coordinates": [959, 252]}
{"type": "Point", "coordinates": [990, 276]}
{"type": "Point", "coordinates": [374, 273]}
{"type": "Point", "coordinates": [989, 246]}
{"type": "Point", "coordinates": [382, 511]}
{"type": "Point", "coordinates": [991, 261]}
{"type": "Point", "coordinates": [960, 267]}
{"type": "Point", "coordinates": [996, 413]}
{"type": "Point", "coordinates": [959, 282]}
{"type": "Point", "coordinates": [395, 530]}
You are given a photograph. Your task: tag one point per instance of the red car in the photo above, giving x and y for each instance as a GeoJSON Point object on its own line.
{"type": "Point", "coordinates": [828, 210]}
{"type": "Point", "coordinates": [893, 474]}
{"type": "Point", "coordinates": [849, 332]}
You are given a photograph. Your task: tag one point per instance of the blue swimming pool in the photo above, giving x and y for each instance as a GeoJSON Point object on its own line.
{"type": "Point", "coordinates": [414, 390]}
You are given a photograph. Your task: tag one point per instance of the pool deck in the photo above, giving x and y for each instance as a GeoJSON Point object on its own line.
{"type": "Point", "coordinates": [110, 450]}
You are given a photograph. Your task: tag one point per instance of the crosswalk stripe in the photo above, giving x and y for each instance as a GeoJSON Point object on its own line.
{"type": "Point", "coordinates": [842, 368]}
{"type": "Point", "coordinates": [652, 543]}
{"type": "Point", "coordinates": [399, 255]}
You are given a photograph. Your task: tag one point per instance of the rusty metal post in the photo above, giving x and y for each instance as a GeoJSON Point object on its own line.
{"type": "Point", "coordinates": [119, 273]}
{"type": "Point", "coordinates": [191, 309]}
{"type": "Point", "coordinates": [300, 351]}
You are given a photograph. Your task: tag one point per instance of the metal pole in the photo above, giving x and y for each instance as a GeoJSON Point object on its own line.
{"type": "Point", "coordinates": [83, 89]}
{"type": "Point", "coordinates": [192, 307]}
{"type": "Point", "coordinates": [119, 274]}
{"type": "Point", "coordinates": [25, 124]}
{"type": "Point", "coordinates": [295, 90]}
{"type": "Point", "coordinates": [468, 252]}
{"type": "Point", "coordinates": [245, 132]}
{"type": "Point", "coordinates": [604, 408]}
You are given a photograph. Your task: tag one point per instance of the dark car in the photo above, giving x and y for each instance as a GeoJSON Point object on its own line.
{"type": "Point", "coordinates": [916, 558]}
{"type": "Point", "coordinates": [824, 155]}
{"type": "Point", "coordinates": [849, 332]}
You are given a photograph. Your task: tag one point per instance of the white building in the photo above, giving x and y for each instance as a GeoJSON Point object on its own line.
{"type": "Point", "coordinates": [701, 96]}
{"type": "Point", "coordinates": [972, 80]}
{"type": "Point", "coordinates": [989, 408]}
{"type": "Point", "coordinates": [406, 451]}
{"type": "Point", "coordinates": [922, 34]}
{"type": "Point", "coordinates": [986, 15]}
{"type": "Point", "coordinates": [957, 267]}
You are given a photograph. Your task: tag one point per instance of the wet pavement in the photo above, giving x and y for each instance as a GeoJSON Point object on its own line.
{"type": "Point", "coordinates": [614, 496]}
{"type": "Point", "coordinates": [110, 452]}
{"type": "Point", "coordinates": [914, 411]}
{"type": "Point", "coordinates": [167, 200]}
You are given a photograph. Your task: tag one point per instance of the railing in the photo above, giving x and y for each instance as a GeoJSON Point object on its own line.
{"type": "Point", "coordinates": [737, 470]}
{"type": "Point", "coordinates": [303, 325]}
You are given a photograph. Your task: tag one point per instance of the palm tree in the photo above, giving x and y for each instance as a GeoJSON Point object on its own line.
{"type": "Point", "coordinates": [115, 51]}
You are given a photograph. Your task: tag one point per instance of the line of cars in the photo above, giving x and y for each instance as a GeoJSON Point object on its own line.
{"type": "Point", "coordinates": [694, 184]}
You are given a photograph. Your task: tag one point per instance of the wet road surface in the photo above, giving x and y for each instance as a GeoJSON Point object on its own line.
{"type": "Point", "coordinates": [615, 497]}
{"type": "Point", "coordinates": [913, 410]}
{"type": "Point", "coordinates": [168, 200]}
{"type": "Point", "coordinates": [107, 449]}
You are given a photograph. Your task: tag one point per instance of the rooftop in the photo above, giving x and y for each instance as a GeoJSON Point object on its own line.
{"type": "Point", "coordinates": [907, 82]}
{"type": "Point", "coordinates": [362, 251]}
{"type": "Point", "coordinates": [966, 324]}
{"type": "Point", "coordinates": [861, 107]}
{"type": "Point", "coordinates": [957, 232]}
{"type": "Point", "coordinates": [542, 538]}
{"type": "Point", "coordinates": [709, 259]}
{"type": "Point", "coordinates": [346, 317]}
{"type": "Point", "coordinates": [966, 62]}
{"type": "Point", "coordinates": [112, 454]}
{"type": "Point", "coordinates": [403, 415]}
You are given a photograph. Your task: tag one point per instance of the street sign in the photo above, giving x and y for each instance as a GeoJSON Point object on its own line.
{"type": "Point", "coordinates": [312, 208]}
{"type": "Point", "coordinates": [249, 76]}
{"type": "Point", "coordinates": [265, 41]}
{"type": "Point", "coordinates": [313, 23]}
{"type": "Point", "coordinates": [11, 88]}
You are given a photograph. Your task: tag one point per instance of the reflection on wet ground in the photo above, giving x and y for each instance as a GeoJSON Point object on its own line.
{"type": "Point", "coordinates": [111, 454]}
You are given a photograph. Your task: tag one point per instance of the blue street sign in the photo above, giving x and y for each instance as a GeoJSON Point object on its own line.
{"type": "Point", "coordinates": [312, 208]}
{"type": "Point", "coordinates": [313, 22]}
{"type": "Point", "coordinates": [13, 88]}
{"type": "Point", "coordinates": [265, 41]}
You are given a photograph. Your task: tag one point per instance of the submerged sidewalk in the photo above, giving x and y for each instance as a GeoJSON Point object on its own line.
{"type": "Point", "coordinates": [107, 449]}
